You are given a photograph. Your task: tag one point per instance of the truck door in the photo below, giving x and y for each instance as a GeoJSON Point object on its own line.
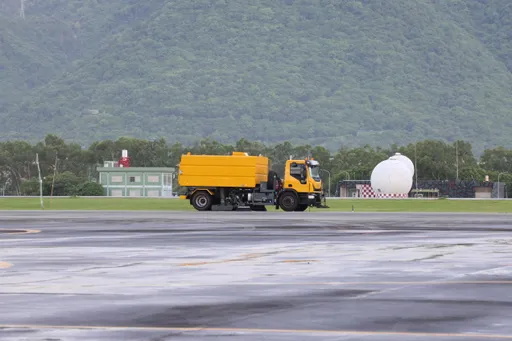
{"type": "Point", "coordinates": [297, 178]}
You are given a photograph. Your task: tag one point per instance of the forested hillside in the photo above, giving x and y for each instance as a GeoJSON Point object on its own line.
{"type": "Point", "coordinates": [324, 72]}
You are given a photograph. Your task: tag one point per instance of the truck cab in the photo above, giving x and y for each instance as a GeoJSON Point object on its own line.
{"type": "Point", "coordinates": [302, 186]}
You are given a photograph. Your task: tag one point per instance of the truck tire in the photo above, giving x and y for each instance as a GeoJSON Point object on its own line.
{"type": "Point", "coordinates": [288, 201]}
{"type": "Point", "coordinates": [302, 207]}
{"type": "Point", "coordinates": [202, 201]}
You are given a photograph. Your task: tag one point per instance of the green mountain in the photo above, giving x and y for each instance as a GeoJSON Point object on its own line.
{"type": "Point", "coordinates": [325, 72]}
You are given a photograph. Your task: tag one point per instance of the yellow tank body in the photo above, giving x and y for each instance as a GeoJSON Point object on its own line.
{"type": "Point", "coordinates": [238, 170]}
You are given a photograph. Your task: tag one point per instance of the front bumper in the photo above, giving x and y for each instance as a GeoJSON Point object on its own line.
{"type": "Point", "coordinates": [317, 200]}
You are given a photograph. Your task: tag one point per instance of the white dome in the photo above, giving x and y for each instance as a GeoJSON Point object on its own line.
{"type": "Point", "coordinates": [405, 160]}
{"type": "Point", "coordinates": [391, 177]}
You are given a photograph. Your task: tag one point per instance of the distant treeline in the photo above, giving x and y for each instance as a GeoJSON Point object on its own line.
{"type": "Point", "coordinates": [75, 167]}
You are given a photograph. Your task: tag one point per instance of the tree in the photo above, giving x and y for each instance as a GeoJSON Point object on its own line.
{"type": "Point", "coordinates": [66, 184]}
{"type": "Point", "coordinates": [498, 159]}
{"type": "Point", "coordinates": [358, 162]}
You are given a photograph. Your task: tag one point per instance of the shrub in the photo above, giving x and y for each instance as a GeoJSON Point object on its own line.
{"type": "Point", "coordinates": [89, 189]}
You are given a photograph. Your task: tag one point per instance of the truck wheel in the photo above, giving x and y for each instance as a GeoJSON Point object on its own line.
{"type": "Point", "coordinates": [202, 201]}
{"type": "Point", "coordinates": [288, 202]}
{"type": "Point", "coordinates": [301, 208]}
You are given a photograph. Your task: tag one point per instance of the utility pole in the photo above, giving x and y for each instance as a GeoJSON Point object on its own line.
{"type": "Point", "coordinates": [22, 9]}
{"type": "Point", "coordinates": [5, 186]}
{"type": "Point", "coordinates": [54, 175]}
{"type": "Point", "coordinates": [40, 181]}
{"type": "Point", "coordinates": [457, 158]}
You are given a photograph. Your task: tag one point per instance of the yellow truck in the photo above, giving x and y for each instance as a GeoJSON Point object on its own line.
{"type": "Point", "coordinates": [230, 182]}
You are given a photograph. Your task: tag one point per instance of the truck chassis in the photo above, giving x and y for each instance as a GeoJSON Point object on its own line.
{"type": "Point", "coordinates": [265, 194]}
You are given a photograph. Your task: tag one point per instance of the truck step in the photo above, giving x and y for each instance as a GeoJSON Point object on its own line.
{"type": "Point", "coordinates": [243, 209]}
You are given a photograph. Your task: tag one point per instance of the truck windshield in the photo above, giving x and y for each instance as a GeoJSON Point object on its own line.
{"type": "Point", "coordinates": [314, 172]}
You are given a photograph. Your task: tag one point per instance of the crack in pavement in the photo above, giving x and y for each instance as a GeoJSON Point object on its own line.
{"type": "Point", "coordinates": [111, 267]}
{"type": "Point", "coordinates": [40, 281]}
{"type": "Point", "coordinates": [241, 258]}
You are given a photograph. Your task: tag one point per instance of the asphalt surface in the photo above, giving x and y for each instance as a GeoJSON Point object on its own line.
{"type": "Point", "coordinates": [252, 276]}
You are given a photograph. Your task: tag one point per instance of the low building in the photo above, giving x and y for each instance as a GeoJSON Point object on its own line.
{"type": "Point", "coordinates": [136, 181]}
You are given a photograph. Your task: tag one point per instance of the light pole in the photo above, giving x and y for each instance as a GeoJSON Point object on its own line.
{"type": "Point", "coordinates": [416, 165]}
{"type": "Point", "coordinates": [499, 182]}
{"type": "Point", "coordinates": [329, 180]}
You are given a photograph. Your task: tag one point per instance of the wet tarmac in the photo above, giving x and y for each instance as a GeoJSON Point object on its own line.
{"type": "Point", "coordinates": [253, 276]}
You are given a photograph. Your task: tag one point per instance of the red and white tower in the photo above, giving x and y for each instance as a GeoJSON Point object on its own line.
{"type": "Point", "coordinates": [124, 161]}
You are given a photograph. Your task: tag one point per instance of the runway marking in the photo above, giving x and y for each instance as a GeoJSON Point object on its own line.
{"type": "Point", "coordinates": [266, 331]}
{"type": "Point", "coordinates": [18, 231]}
{"type": "Point", "coordinates": [299, 261]}
{"type": "Point", "coordinates": [237, 259]}
{"type": "Point", "coordinates": [222, 261]}
{"type": "Point", "coordinates": [184, 284]}
{"type": "Point", "coordinates": [5, 265]}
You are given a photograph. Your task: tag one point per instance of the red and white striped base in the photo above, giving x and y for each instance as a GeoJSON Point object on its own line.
{"type": "Point", "coordinates": [392, 196]}
{"type": "Point", "coordinates": [366, 191]}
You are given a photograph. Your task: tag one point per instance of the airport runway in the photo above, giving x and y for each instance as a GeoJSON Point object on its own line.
{"type": "Point", "coordinates": [161, 276]}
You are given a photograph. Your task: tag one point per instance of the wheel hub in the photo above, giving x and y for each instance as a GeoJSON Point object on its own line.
{"type": "Point", "coordinates": [201, 201]}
